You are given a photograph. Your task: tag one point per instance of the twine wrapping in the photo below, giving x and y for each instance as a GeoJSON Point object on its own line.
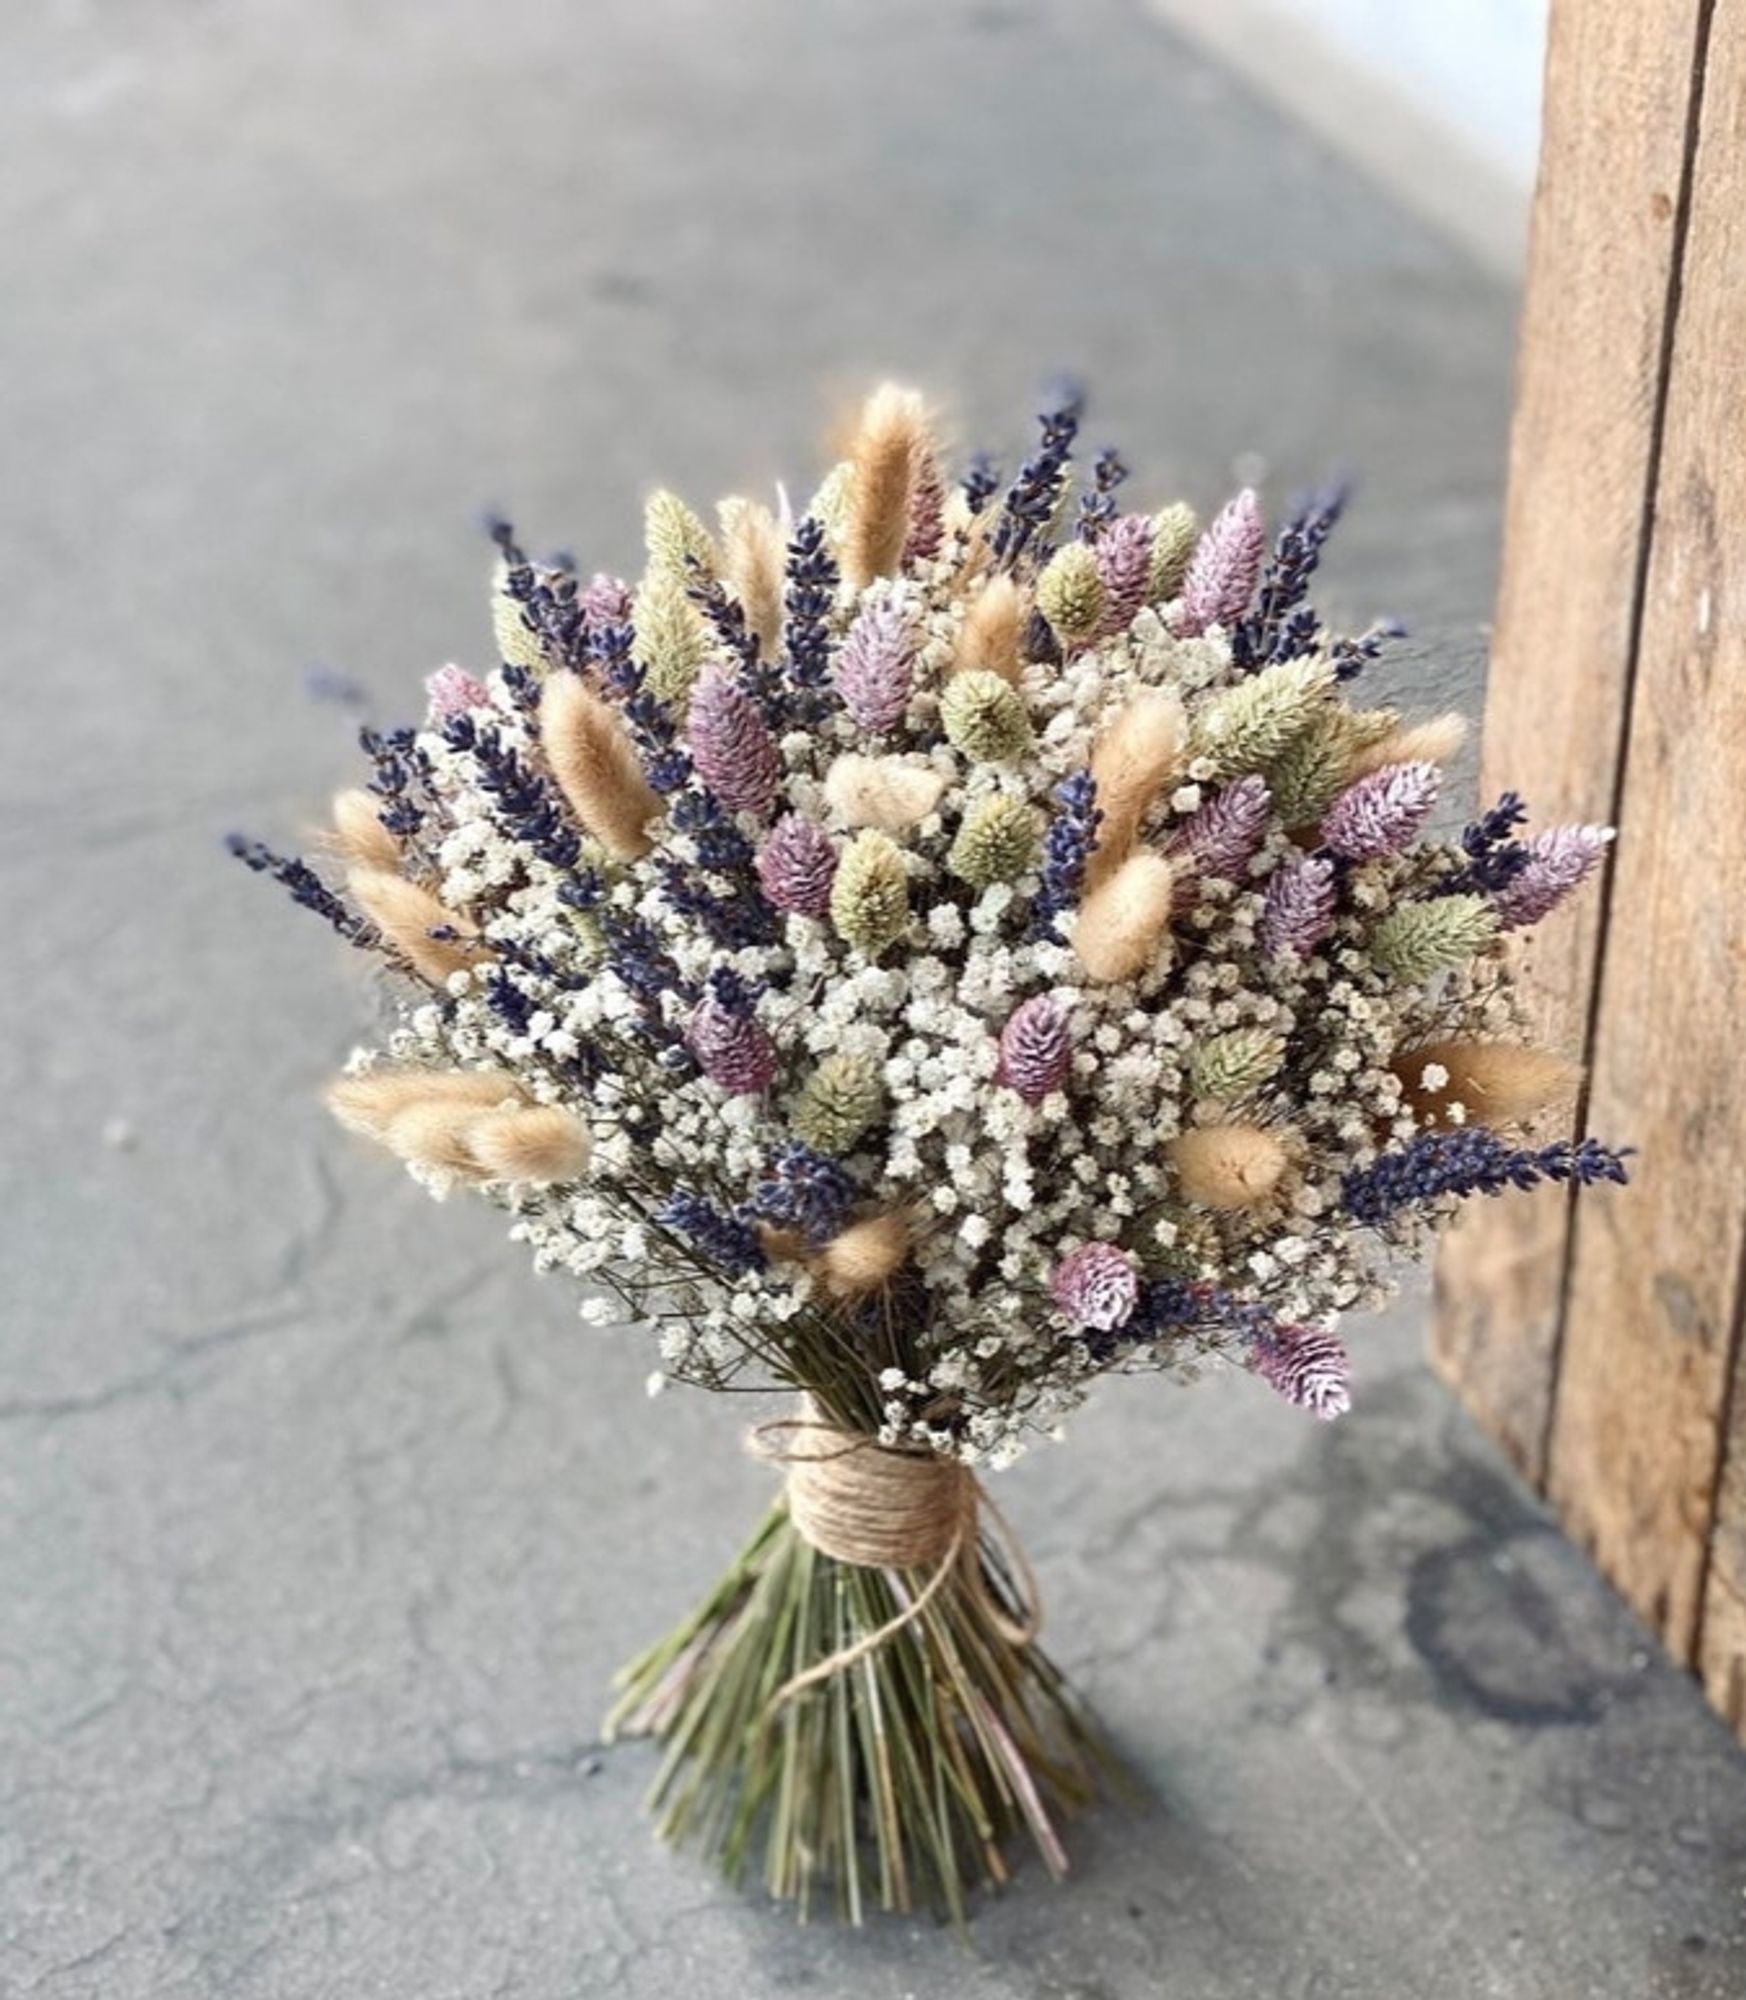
{"type": "Point", "coordinates": [877, 1507]}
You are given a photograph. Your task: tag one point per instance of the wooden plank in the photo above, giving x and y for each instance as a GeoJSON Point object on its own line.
{"type": "Point", "coordinates": [1654, 1298]}
{"type": "Point", "coordinates": [1619, 79]}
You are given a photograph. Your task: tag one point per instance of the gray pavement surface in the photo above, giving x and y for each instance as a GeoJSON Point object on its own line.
{"type": "Point", "coordinates": [322, 1524]}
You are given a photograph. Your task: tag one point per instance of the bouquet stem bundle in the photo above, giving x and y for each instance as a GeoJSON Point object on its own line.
{"type": "Point", "coordinates": [873, 1731]}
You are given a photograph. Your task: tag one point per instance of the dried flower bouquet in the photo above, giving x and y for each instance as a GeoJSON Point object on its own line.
{"type": "Point", "coordinates": [927, 954]}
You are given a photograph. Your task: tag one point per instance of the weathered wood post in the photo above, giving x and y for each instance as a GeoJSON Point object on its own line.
{"type": "Point", "coordinates": [1600, 1340]}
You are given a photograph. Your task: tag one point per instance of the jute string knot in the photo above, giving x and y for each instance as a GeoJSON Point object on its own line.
{"type": "Point", "coordinates": [882, 1507]}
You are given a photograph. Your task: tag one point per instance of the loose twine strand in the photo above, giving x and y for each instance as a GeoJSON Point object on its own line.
{"type": "Point", "coordinates": [878, 1507]}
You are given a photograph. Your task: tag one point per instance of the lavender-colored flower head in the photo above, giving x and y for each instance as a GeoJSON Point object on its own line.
{"type": "Point", "coordinates": [728, 1241]}
{"type": "Point", "coordinates": [305, 888]}
{"type": "Point", "coordinates": [1097, 1286]}
{"type": "Point", "coordinates": [1030, 500]}
{"type": "Point", "coordinates": [735, 754]}
{"type": "Point", "coordinates": [805, 1190]}
{"type": "Point", "coordinates": [1381, 812]}
{"type": "Point", "coordinates": [1281, 626]}
{"type": "Point", "coordinates": [1495, 857]}
{"type": "Point", "coordinates": [605, 600]}
{"type": "Point", "coordinates": [1223, 570]}
{"type": "Point", "coordinates": [875, 675]}
{"type": "Point", "coordinates": [1299, 910]}
{"type": "Point", "coordinates": [1307, 1366]}
{"type": "Point", "coordinates": [927, 514]}
{"type": "Point", "coordinates": [1558, 860]}
{"type": "Point", "coordinates": [1220, 838]}
{"type": "Point", "coordinates": [732, 1047]}
{"type": "Point", "coordinates": [1124, 568]}
{"type": "Point", "coordinates": [1036, 1047]}
{"type": "Point", "coordinates": [1067, 847]}
{"type": "Point", "coordinates": [452, 691]}
{"type": "Point", "coordinates": [810, 588]}
{"type": "Point", "coordinates": [1470, 1161]}
{"type": "Point", "coordinates": [796, 866]}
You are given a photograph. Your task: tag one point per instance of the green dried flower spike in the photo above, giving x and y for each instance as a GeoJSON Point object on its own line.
{"type": "Point", "coordinates": [997, 842]}
{"type": "Point", "coordinates": [673, 535]}
{"type": "Point", "coordinates": [516, 644]}
{"type": "Point", "coordinates": [1418, 940]}
{"type": "Point", "coordinates": [829, 506]}
{"type": "Point", "coordinates": [1247, 727]}
{"type": "Point", "coordinates": [837, 1103]}
{"type": "Point", "coordinates": [870, 894]}
{"type": "Point", "coordinates": [1070, 594]}
{"type": "Point", "coordinates": [1230, 1066]}
{"type": "Point", "coordinates": [670, 644]}
{"type": "Point", "coordinates": [1174, 534]}
{"type": "Point", "coordinates": [985, 718]}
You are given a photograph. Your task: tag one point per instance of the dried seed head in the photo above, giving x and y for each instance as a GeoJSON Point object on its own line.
{"type": "Point", "coordinates": [1123, 927]}
{"type": "Point", "coordinates": [596, 766]}
{"type": "Point", "coordinates": [1228, 1166]}
{"type": "Point", "coordinates": [407, 916]}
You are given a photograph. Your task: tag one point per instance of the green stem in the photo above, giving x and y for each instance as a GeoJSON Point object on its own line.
{"type": "Point", "coordinates": [901, 1777]}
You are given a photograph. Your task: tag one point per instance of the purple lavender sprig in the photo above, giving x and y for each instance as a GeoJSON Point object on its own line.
{"type": "Point", "coordinates": [804, 1190]}
{"type": "Point", "coordinates": [726, 617]}
{"type": "Point", "coordinates": [527, 807]}
{"type": "Point", "coordinates": [1494, 856]}
{"type": "Point", "coordinates": [652, 724]}
{"type": "Point", "coordinates": [809, 593]}
{"type": "Point", "coordinates": [1352, 655]}
{"type": "Point", "coordinates": [1298, 911]}
{"type": "Point", "coordinates": [551, 605]}
{"type": "Point", "coordinates": [1276, 628]}
{"type": "Point", "coordinates": [1067, 848]}
{"type": "Point", "coordinates": [1097, 508]}
{"type": "Point", "coordinates": [727, 1241]}
{"type": "Point", "coordinates": [305, 888]}
{"type": "Point", "coordinates": [1031, 499]}
{"type": "Point", "coordinates": [1471, 1160]}
{"type": "Point", "coordinates": [400, 778]}
{"type": "Point", "coordinates": [1221, 574]}
{"type": "Point", "coordinates": [1380, 813]}
{"type": "Point", "coordinates": [981, 481]}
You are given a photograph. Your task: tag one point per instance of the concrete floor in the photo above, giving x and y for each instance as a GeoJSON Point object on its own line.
{"type": "Point", "coordinates": [321, 1523]}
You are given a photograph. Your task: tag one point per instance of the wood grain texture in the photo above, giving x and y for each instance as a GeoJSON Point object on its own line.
{"type": "Point", "coordinates": [1653, 1308]}
{"type": "Point", "coordinates": [1715, 313]}
{"type": "Point", "coordinates": [1619, 80]}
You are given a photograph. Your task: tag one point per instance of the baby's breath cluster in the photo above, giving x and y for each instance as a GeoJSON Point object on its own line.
{"type": "Point", "coordinates": [946, 945]}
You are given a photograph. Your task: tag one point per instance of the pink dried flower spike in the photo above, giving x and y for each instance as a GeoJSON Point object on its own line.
{"type": "Point", "coordinates": [453, 691]}
{"type": "Point", "coordinates": [1380, 813]}
{"type": "Point", "coordinates": [1035, 1049]}
{"type": "Point", "coordinates": [796, 867]}
{"type": "Point", "coordinates": [1307, 1366]}
{"type": "Point", "coordinates": [1226, 564]}
{"type": "Point", "coordinates": [735, 754]}
{"type": "Point", "coordinates": [1558, 860]}
{"type": "Point", "coordinates": [1097, 1286]}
